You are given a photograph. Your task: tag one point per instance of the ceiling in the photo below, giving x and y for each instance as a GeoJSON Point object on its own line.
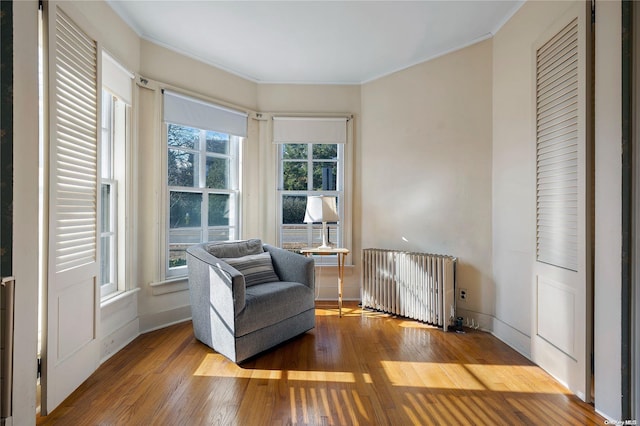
{"type": "Point", "coordinates": [319, 42]}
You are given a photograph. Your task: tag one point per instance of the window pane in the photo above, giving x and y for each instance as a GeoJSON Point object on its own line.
{"type": "Point", "coordinates": [183, 168]}
{"type": "Point", "coordinates": [217, 173]}
{"type": "Point", "coordinates": [183, 137]}
{"type": "Point", "coordinates": [179, 241]}
{"type": "Point", "coordinates": [105, 211]}
{"type": "Point", "coordinates": [106, 169]}
{"type": "Point", "coordinates": [185, 210]}
{"type": "Point", "coordinates": [217, 142]}
{"type": "Point", "coordinates": [294, 176]}
{"type": "Point", "coordinates": [220, 234]}
{"type": "Point", "coordinates": [105, 259]}
{"type": "Point", "coordinates": [294, 151]}
{"type": "Point", "coordinates": [293, 208]}
{"type": "Point", "coordinates": [295, 237]}
{"type": "Point", "coordinates": [324, 175]}
{"type": "Point", "coordinates": [219, 209]}
{"type": "Point", "coordinates": [332, 235]}
{"type": "Point", "coordinates": [325, 151]}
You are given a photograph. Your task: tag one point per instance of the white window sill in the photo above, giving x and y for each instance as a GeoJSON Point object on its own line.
{"type": "Point", "coordinates": [117, 296]}
{"type": "Point", "coordinates": [170, 285]}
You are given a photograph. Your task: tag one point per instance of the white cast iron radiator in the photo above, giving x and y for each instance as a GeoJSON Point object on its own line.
{"type": "Point", "coordinates": [419, 286]}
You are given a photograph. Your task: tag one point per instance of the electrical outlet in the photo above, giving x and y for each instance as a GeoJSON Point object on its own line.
{"type": "Point", "coordinates": [463, 294]}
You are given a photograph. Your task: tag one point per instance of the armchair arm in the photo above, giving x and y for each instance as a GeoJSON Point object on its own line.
{"type": "Point", "coordinates": [215, 282]}
{"type": "Point", "coordinates": [292, 267]}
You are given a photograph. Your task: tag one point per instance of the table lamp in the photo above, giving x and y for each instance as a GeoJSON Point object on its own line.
{"type": "Point", "coordinates": [322, 209]}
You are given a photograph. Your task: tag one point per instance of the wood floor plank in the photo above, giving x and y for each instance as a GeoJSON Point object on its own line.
{"type": "Point", "coordinates": [365, 368]}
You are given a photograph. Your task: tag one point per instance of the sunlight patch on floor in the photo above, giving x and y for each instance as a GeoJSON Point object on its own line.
{"type": "Point", "coordinates": [212, 367]}
{"type": "Point", "coordinates": [416, 324]}
{"type": "Point", "coordinates": [497, 378]}
{"type": "Point", "coordinates": [322, 376]}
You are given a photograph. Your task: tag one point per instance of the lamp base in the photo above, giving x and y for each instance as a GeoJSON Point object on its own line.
{"type": "Point", "coordinates": [324, 245]}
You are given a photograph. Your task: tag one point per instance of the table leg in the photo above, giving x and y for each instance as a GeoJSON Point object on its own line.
{"type": "Point", "coordinates": [340, 276]}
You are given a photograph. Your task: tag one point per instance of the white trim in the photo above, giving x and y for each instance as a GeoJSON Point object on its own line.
{"type": "Point", "coordinates": [170, 286]}
{"type": "Point", "coordinates": [116, 297]}
{"type": "Point", "coordinates": [158, 320]}
{"type": "Point", "coordinates": [116, 341]}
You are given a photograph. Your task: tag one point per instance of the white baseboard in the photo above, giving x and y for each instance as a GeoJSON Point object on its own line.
{"type": "Point", "coordinates": [118, 339]}
{"type": "Point", "coordinates": [483, 322]}
{"type": "Point", "coordinates": [163, 319]}
{"type": "Point", "coordinates": [512, 337]}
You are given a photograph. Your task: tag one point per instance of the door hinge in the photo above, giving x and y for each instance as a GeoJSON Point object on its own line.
{"type": "Point", "coordinates": [39, 371]}
{"type": "Point", "coordinates": [593, 11]}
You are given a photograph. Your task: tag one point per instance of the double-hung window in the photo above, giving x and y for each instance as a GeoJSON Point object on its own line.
{"type": "Point", "coordinates": [202, 175]}
{"type": "Point", "coordinates": [311, 162]}
{"type": "Point", "coordinates": [115, 128]}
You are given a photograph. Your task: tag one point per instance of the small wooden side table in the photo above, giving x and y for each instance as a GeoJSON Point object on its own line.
{"type": "Point", "coordinates": [342, 254]}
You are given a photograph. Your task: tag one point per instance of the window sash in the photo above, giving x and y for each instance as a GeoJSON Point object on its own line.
{"type": "Point", "coordinates": [109, 238]}
{"type": "Point", "coordinates": [313, 232]}
{"type": "Point", "coordinates": [178, 238]}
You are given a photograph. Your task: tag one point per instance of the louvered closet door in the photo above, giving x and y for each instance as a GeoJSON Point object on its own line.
{"type": "Point", "coordinates": [71, 342]}
{"type": "Point", "coordinates": [561, 341]}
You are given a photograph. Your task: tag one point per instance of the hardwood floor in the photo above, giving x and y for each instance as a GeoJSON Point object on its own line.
{"type": "Point", "coordinates": [368, 369]}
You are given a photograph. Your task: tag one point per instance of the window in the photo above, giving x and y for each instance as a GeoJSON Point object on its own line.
{"type": "Point", "coordinates": [202, 175]}
{"type": "Point", "coordinates": [108, 198]}
{"type": "Point", "coordinates": [202, 180]}
{"type": "Point", "coordinates": [115, 122]}
{"type": "Point", "coordinates": [311, 153]}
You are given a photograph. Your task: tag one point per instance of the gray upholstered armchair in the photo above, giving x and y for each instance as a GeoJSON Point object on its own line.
{"type": "Point", "coordinates": [247, 297]}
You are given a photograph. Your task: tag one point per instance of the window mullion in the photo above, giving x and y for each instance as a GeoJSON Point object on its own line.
{"type": "Point", "coordinates": [202, 184]}
{"type": "Point", "coordinates": [309, 189]}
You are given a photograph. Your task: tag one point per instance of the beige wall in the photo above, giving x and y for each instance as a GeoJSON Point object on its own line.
{"type": "Point", "coordinates": [167, 66]}
{"type": "Point", "coordinates": [425, 166]}
{"type": "Point", "coordinates": [111, 32]}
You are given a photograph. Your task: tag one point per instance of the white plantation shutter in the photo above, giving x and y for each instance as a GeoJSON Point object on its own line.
{"type": "Point", "coordinates": [557, 150]}
{"type": "Point", "coordinates": [75, 156]}
{"type": "Point", "coordinates": [72, 346]}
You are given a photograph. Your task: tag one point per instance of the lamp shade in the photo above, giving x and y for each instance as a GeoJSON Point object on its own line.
{"type": "Point", "coordinates": [321, 209]}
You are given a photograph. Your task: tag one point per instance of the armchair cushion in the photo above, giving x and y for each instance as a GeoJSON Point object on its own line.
{"type": "Point", "coordinates": [256, 268]}
{"type": "Point", "coordinates": [227, 249]}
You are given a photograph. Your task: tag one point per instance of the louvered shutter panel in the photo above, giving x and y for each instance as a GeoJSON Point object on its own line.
{"type": "Point", "coordinates": [72, 346]}
{"type": "Point", "coordinates": [557, 149]}
{"type": "Point", "coordinates": [75, 156]}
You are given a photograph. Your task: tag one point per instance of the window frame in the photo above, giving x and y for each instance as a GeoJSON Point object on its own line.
{"type": "Point", "coordinates": [115, 134]}
{"type": "Point", "coordinates": [234, 184]}
{"type": "Point", "coordinates": [110, 287]}
{"type": "Point", "coordinates": [341, 238]}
